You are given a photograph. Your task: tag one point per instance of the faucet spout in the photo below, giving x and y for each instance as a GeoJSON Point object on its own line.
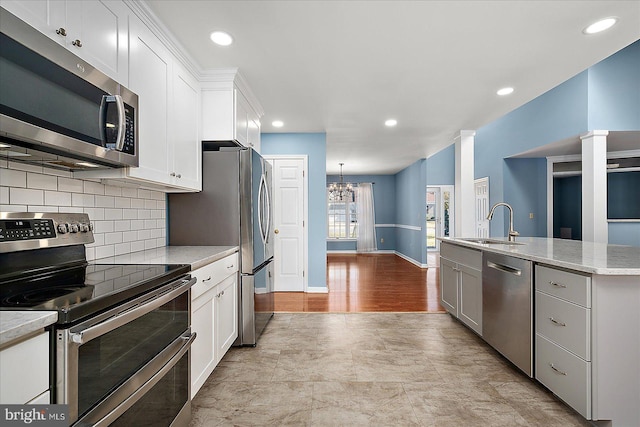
{"type": "Point", "coordinates": [512, 232]}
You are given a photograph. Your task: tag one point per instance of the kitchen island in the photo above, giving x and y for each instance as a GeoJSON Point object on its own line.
{"type": "Point", "coordinates": [585, 322]}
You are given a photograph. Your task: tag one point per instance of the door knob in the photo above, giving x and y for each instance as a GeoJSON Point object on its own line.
{"type": "Point", "coordinates": [276, 231]}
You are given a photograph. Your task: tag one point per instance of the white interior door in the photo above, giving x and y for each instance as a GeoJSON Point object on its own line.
{"type": "Point", "coordinates": [433, 217]}
{"type": "Point", "coordinates": [289, 217]}
{"type": "Point", "coordinates": [481, 188]}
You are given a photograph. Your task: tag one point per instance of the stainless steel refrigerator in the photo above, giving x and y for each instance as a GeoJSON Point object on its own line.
{"type": "Point", "coordinates": [233, 209]}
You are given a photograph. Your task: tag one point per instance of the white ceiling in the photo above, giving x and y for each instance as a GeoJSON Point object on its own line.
{"type": "Point", "coordinates": [344, 67]}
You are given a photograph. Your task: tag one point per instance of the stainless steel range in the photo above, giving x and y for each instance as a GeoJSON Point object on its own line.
{"type": "Point", "coordinates": [120, 348]}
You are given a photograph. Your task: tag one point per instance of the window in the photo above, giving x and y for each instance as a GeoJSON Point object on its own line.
{"type": "Point", "coordinates": [342, 218]}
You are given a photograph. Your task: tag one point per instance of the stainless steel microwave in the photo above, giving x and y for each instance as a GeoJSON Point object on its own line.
{"type": "Point", "coordinates": [57, 110]}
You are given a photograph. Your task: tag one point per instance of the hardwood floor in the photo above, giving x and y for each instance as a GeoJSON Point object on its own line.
{"type": "Point", "coordinates": [369, 283]}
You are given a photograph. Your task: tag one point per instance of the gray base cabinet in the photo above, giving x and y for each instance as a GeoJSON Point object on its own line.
{"type": "Point", "coordinates": [461, 284]}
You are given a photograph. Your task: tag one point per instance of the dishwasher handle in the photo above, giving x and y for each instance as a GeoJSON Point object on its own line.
{"type": "Point", "coordinates": [504, 268]}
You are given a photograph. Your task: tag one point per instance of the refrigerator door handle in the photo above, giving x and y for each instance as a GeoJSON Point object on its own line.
{"type": "Point", "coordinates": [268, 197]}
{"type": "Point", "coordinates": [260, 198]}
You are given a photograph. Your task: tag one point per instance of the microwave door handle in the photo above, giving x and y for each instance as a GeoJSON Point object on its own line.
{"type": "Point", "coordinates": [121, 123]}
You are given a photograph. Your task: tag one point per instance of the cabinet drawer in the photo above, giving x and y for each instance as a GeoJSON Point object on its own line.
{"type": "Point", "coordinates": [212, 274]}
{"type": "Point", "coordinates": [565, 374]}
{"type": "Point", "coordinates": [460, 255]}
{"type": "Point", "coordinates": [562, 284]}
{"type": "Point", "coordinates": [564, 323]}
{"type": "Point", "coordinates": [24, 369]}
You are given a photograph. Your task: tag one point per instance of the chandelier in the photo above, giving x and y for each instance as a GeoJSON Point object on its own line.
{"type": "Point", "coordinates": [340, 191]}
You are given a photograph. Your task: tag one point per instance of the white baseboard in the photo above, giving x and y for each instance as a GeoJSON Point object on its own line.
{"type": "Point", "coordinates": [345, 251]}
{"type": "Point", "coordinates": [260, 290]}
{"type": "Point", "coordinates": [317, 290]}
{"type": "Point", "coordinates": [351, 251]}
{"type": "Point", "coordinates": [411, 260]}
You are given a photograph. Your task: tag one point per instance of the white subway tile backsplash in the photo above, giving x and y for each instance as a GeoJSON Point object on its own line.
{"type": "Point", "coordinates": [130, 192]}
{"type": "Point", "coordinates": [129, 214]}
{"type": "Point", "coordinates": [91, 187]}
{"type": "Point", "coordinates": [34, 208]}
{"type": "Point", "coordinates": [136, 246]}
{"type": "Point", "coordinates": [40, 181]}
{"type": "Point", "coordinates": [83, 200]}
{"type": "Point", "coordinates": [111, 238]}
{"type": "Point", "coordinates": [114, 214]}
{"type": "Point", "coordinates": [70, 185]}
{"type": "Point", "coordinates": [57, 198]}
{"type": "Point", "coordinates": [13, 178]}
{"type": "Point", "coordinates": [95, 214]}
{"type": "Point", "coordinates": [125, 219]}
{"type": "Point", "coordinates": [110, 190]}
{"type": "Point", "coordinates": [105, 201]}
{"type": "Point", "coordinates": [26, 196]}
{"type": "Point", "coordinates": [123, 202]}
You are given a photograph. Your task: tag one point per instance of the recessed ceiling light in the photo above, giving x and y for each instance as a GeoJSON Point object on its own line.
{"type": "Point", "coordinates": [601, 25]}
{"type": "Point", "coordinates": [391, 122]}
{"type": "Point", "coordinates": [505, 91]}
{"type": "Point", "coordinates": [277, 123]}
{"type": "Point", "coordinates": [221, 38]}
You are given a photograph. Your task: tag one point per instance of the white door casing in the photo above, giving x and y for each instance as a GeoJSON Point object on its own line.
{"type": "Point", "coordinates": [289, 219]}
{"type": "Point", "coordinates": [481, 189]}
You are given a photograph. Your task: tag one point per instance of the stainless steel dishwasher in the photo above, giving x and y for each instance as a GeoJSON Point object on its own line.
{"type": "Point", "coordinates": [507, 314]}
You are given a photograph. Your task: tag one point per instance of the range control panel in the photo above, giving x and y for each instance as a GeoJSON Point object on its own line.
{"type": "Point", "coordinates": [23, 231]}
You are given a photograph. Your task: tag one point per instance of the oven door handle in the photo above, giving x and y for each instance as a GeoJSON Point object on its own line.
{"type": "Point", "coordinates": [131, 391]}
{"type": "Point", "coordinates": [126, 316]}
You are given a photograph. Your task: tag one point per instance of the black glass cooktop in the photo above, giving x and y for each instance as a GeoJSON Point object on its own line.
{"type": "Point", "coordinates": [79, 291]}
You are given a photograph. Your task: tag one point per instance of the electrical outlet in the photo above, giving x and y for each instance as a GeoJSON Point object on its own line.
{"type": "Point", "coordinates": [382, 240]}
{"type": "Point", "coordinates": [530, 215]}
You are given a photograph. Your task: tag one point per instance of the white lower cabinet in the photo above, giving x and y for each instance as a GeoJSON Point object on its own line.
{"type": "Point", "coordinates": [24, 369]}
{"type": "Point", "coordinates": [461, 284]}
{"type": "Point", "coordinates": [563, 336]}
{"type": "Point", "coordinates": [214, 316]}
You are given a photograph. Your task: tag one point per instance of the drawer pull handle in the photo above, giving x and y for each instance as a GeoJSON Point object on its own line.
{"type": "Point", "coordinates": [557, 370]}
{"type": "Point", "coordinates": [229, 266]}
{"type": "Point", "coordinates": [556, 322]}
{"type": "Point", "coordinates": [207, 279]}
{"type": "Point", "coordinates": [557, 285]}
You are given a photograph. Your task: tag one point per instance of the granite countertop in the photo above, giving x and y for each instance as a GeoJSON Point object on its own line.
{"type": "Point", "coordinates": [16, 324]}
{"type": "Point", "coordinates": [588, 257]}
{"type": "Point", "coordinates": [196, 256]}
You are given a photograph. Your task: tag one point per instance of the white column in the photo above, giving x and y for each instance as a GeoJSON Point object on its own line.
{"type": "Point", "coordinates": [464, 193]}
{"type": "Point", "coordinates": [595, 227]}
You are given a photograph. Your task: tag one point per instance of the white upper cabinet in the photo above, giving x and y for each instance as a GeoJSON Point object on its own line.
{"type": "Point", "coordinates": [230, 111]}
{"type": "Point", "coordinates": [96, 31]}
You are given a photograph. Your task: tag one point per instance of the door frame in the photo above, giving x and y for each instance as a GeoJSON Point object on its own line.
{"type": "Point", "coordinates": [440, 214]}
{"type": "Point", "coordinates": [305, 209]}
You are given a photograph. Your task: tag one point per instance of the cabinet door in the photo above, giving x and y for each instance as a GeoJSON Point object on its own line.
{"type": "Point", "coordinates": [150, 78]}
{"type": "Point", "coordinates": [226, 313]}
{"type": "Point", "coordinates": [449, 286]}
{"type": "Point", "coordinates": [218, 115]}
{"type": "Point", "coordinates": [253, 133]}
{"type": "Point", "coordinates": [470, 308]}
{"type": "Point", "coordinates": [97, 31]}
{"type": "Point", "coordinates": [24, 369]}
{"type": "Point", "coordinates": [46, 16]}
{"type": "Point", "coordinates": [203, 348]}
{"type": "Point", "coordinates": [185, 111]}
{"type": "Point", "coordinates": [241, 117]}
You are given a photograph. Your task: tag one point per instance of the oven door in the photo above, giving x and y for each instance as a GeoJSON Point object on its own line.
{"type": "Point", "coordinates": [106, 364]}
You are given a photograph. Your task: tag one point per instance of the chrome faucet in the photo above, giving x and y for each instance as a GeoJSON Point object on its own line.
{"type": "Point", "coordinates": [512, 232]}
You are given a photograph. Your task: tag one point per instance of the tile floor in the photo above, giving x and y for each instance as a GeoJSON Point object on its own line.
{"type": "Point", "coordinates": [372, 369]}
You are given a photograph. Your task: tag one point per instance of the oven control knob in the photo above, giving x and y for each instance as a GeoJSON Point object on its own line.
{"type": "Point", "coordinates": [63, 228]}
{"type": "Point", "coordinates": [73, 228]}
{"type": "Point", "coordinates": [84, 227]}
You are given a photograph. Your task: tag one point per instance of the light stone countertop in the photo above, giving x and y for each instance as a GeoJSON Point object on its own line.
{"type": "Point", "coordinates": [196, 256]}
{"type": "Point", "coordinates": [588, 257]}
{"type": "Point", "coordinates": [16, 324]}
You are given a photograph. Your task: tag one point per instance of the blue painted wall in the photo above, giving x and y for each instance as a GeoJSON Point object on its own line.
{"type": "Point", "coordinates": [614, 91]}
{"type": "Point", "coordinates": [411, 184]}
{"type": "Point", "coordinates": [527, 189]}
{"type": "Point", "coordinates": [315, 147]}
{"type": "Point", "coordinates": [441, 167]}
{"type": "Point", "coordinates": [384, 198]}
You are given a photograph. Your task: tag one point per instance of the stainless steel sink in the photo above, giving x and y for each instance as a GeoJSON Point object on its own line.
{"type": "Point", "coordinates": [486, 241]}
